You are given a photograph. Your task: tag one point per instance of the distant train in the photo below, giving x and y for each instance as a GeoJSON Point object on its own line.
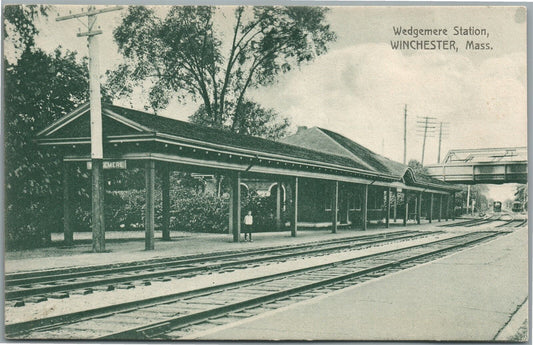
{"type": "Point", "coordinates": [497, 206]}
{"type": "Point", "coordinates": [517, 207]}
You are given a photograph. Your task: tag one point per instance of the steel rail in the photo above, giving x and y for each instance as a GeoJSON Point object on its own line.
{"type": "Point", "coordinates": [452, 225]}
{"type": "Point", "coordinates": [483, 221]}
{"type": "Point", "coordinates": [72, 272]}
{"type": "Point", "coordinates": [48, 323]}
{"type": "Point", "coordinates": [157, 328]}
{"type": "Point", "coordinates": [522, 223]}
{"type": "Point", "coordinates": [169, 271]}
{"type": "Point", "coordinates": [507, 222]}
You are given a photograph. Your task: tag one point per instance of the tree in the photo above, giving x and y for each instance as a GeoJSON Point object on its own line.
{"type": "Point", "coordinates": [251, 119]}
{"type": "Point", "coordinates": [183, 56]}
{"type": "Point", "coordinates": [520, 194]}
{"type": "Point", "coordinates": [19, 24]}
{"type": "Point", "coordinates": [478, 192]}
{"type": "Point", "coordinates": [417, 167]}
{"type": "Point", "coordinates": [39, 88]}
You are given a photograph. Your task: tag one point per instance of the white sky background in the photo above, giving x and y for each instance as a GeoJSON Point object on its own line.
{"type": "Point", "coordinates": [360, 86]}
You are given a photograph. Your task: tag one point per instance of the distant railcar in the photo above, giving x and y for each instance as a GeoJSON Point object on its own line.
{"type": "Point", "coordinates": [497, 206]}
{"type": "Point", "coordinates": [517, 207]}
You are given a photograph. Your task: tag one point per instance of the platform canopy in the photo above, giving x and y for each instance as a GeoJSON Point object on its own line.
{"type": "Point", "coordinates": [489, 165]}
{"type": "Point", "coordinates": [135, 135]}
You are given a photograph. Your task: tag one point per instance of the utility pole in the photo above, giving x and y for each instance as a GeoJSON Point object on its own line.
{"type": "Point", "coordinates": [97, 153]}
{"type": "Point", "coordinates": [404, 134]}
{"type": "Point", "coordinates": [425, 126]}
{"type": "Point", "coordinates": [442, 134]}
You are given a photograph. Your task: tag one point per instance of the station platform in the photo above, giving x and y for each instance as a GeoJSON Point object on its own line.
{"type": "Point", "coordinates": [478, 294]}
{"type": "Point", "coordinates": [122, 246]}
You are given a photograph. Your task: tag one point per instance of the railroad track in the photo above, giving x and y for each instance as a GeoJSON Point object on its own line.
{"type": "Point", "coordinates": [176, 315]}
{"type": "Point", "coordinates": [35, 287]}
{"type": "Point", "coordinates": [482, 221]}
{"type": "Point", "coordinates": [521, 223]}
{"type": "Point", "coordinates": [463, 223]}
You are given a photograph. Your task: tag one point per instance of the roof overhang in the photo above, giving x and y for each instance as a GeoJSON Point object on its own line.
{"type": "Point", "coordinates": [142, 142]}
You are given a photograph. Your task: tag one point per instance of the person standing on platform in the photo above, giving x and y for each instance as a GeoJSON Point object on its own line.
{"type": "Point", "coordinates": [248, 223]}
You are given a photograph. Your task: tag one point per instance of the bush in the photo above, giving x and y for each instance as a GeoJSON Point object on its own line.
{"type": "Point", "coordinates": [199, 212]}
{"type": "Point", "coordinates": [125, 209]}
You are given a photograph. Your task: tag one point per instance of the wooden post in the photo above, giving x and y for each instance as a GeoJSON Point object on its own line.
{"type": "Point", "coordinates": [440, 207]}
{"type": "Point", "coordinates": [430, 216]}
{"type": "Point", "coordinates": [418, 207]}
{"type": "Point", "coordinates": [364, 216]}
{"type": "Point", "coordinates": [165, 196]}
{"type": "Point", "coordinates": [149, 174]}
{"type": "Point", "coordinates": [387, 218]}
{"type": "Point", "coordinates": [68, 235]}
{"type": "Point", "coordinates": [453, 206]}
{"type": "Point", "coordinates": [335, 207]}
{"type": "Point", "coordinates": [294, 213]}
{"type": "Point", "coordinates": [447, 212]}
{"type": "Point", "coordinates": [395, 203]}
{"type": "Point", "coordinates": [406, 215]}
{"type": "Point", "coordinates": [278, 206]}
{"type": "Point", "coordinates": [98, 225]}
{"type": "Point", "coordinates": [236, 206]}
{"type": "Point", "coordinates": [348, 206]}
{"type": "Point", "coordinates": [230, 215]}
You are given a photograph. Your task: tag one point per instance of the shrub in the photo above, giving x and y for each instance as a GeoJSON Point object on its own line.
{"type": "Point", "coordinates": [199, 212]}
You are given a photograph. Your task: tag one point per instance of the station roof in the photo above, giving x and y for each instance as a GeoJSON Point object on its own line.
{"type": "Point", "coordinates": [328, 141]}
{"type": "Point", "coordinates": [122, 124]}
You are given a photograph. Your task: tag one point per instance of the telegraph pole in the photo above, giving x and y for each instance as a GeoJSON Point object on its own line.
{"type": "Point", "coordinates": [404, 134]}
{"type": "Point", "coordinates": [426, 125]}
{"type": "Point", "coordinates": [441, 135]}
{"type": "Point", "coordinates": [97, 153]}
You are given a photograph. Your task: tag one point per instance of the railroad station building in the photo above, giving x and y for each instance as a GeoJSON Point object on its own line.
{"type": "Point", "coordinates": [316, 176]}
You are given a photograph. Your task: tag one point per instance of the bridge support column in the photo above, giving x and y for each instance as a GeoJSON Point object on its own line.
{"type": "Point", "coordinates": [387, 218]}
{"type": "Point", "coordinates": [430, 215]}
{"type": "Point", "coordinates": [97, 198]}
{"type": "Point", "coordinates": [406, 213]}
{"type": "Point", "coordinates": [68, 235]}
{"type": "Point", "coordinates": [335, 207]}
{"type": "Point", "coordinates": [418, 207]}
{"type": "Point", "coordinates": [364, 208]}
{"type": "Point", "coordinates": [149, 174]}
{"type": "Point", "coordinates": [165, 196]}
{"type": "Point", "coordinates": [236, 206]}
{"type": "Point", "coordinates": [294, 208]}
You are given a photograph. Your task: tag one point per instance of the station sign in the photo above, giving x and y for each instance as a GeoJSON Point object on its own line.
{"type": "Point", "coordinates": [121, 164]}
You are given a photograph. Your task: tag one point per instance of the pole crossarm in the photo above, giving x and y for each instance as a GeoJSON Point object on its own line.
{"type": "Point", "coordinates": [89, 33]}
{"type": "Point", "coordinates": [89, 13]}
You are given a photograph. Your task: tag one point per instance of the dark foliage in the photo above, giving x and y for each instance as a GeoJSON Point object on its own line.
{"type": "Point", "coordinates": [38, 89]}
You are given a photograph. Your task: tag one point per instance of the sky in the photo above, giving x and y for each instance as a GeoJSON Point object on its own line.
{"type": "Point", "coordinates": [361, 86]}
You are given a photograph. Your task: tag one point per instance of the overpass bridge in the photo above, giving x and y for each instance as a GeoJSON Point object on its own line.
{"type": "Point", "coordinates": [478, 166]}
